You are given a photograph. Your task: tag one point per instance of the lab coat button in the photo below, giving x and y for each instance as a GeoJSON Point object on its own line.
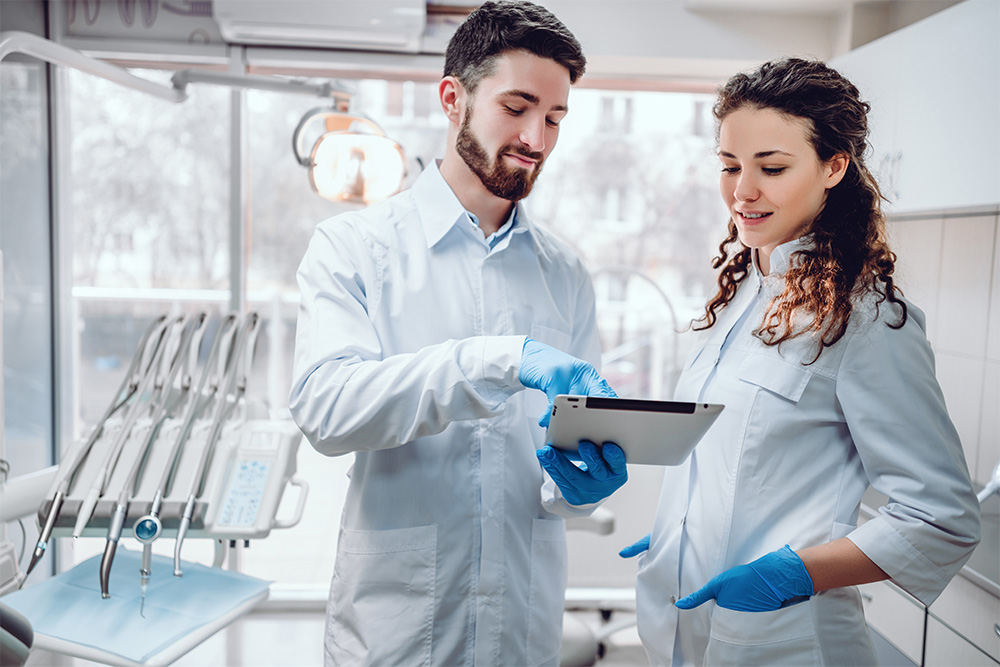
{"type": "Point", "coordinates": [489, 513]}
{"type": "Point", "coordinates": [673, 599]}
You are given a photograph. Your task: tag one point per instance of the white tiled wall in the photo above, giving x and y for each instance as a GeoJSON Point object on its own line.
{"type": "Point", "coordinates": [949, 266]}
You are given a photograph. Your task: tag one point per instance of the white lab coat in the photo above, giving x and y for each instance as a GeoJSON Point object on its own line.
{"type": "Point", "coordinates": [407, 353]}
{"type": "Point", "coordinates": [787, 463]}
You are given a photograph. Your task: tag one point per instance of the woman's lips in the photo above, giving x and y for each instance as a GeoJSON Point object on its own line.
{"type": "Point", "coordinates": [753, 217]}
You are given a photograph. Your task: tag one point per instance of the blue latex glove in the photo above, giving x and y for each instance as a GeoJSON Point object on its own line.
{"type": "Point", "coordinates": [555, 372]}
{"type": "Point", "coordinates": [773, 581]}
{"type": "Point", "coordinates": [602, 472]}
{"type": "Point", "coordinates": [633, 550]}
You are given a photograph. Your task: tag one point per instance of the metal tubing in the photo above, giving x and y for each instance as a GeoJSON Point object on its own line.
{"type": "Point", "coordinates": [16, 41]}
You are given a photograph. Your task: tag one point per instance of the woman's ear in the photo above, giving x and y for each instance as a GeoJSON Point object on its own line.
{"type": "Point", "coordinates": [452, 96]}
{"type": "Point", "coordinates": [836, 168]}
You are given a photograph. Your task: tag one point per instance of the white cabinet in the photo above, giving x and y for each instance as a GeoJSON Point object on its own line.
{"type": "Point", "coordinates": [969, 611]}
{"type": "Point", "coordinates": [962, 626]}
{"type": "Point", "coordinates": [934, 87]}
{"type": "Point", "coordinates": [947, 648]}
{"type": "Point", "coordinates": [898, 617]}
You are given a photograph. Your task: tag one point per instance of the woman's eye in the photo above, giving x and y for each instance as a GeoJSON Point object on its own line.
{"type": "Point", "coordinates": [730, 170]}
{"type": "Point", "coordinates": [552, 123]}
{"type": "Point", "coordinates": [773, 171]}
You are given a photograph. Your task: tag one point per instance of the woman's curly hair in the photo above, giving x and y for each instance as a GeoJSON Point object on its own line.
{"type": "Point", "coordinates": [849, 256]}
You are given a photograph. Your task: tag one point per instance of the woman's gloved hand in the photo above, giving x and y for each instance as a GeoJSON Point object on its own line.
{"type": "Point", "coordinates": [633, 550]}
{"type": "Point", "coordinates": [602, 473]}
{"type": "Point", "coordinates": [773, 581]}
{"type": "Point", "coordinates": [555, 372]}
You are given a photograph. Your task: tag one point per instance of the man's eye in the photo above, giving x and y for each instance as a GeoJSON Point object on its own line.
{"type": "Point", "coordinates": [512, 111]}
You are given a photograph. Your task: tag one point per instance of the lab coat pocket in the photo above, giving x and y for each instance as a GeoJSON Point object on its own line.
{"type": "Point", "coordinates": [784, 378]}
{"type": "Point", "coordinates": [782, 637]}
{"type": "Point", "coordinates": [547, 595]}
{"type": "Point", "coordinates": [382, 597]}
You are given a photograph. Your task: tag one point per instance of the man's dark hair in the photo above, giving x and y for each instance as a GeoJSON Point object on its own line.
{"type": "Point", "coordinates": [509, 25]}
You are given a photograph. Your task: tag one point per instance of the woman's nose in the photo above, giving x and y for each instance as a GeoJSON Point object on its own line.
{"type": "Point", "coordinates": [746, 188]}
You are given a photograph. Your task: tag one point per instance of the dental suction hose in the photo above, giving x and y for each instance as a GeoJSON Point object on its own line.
{"type": "Point", "coordinates": [114, 532]}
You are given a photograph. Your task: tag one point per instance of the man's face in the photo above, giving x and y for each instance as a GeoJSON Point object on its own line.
{"type": "Point", "coordinates": [516, 123]}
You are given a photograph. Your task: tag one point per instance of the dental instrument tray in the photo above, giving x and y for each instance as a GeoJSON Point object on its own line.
{"type": "Point", "coordinates": [181, 450]}
{"type": "Point", "coordinates": [649, 432]}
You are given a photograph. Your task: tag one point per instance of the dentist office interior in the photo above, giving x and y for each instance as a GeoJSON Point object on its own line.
{"type": "Point", "coordinates": [163, 166]}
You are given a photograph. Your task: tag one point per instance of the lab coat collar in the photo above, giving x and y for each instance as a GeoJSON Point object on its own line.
{"type": "Point", "coordinates": [440, 210]}
{"type": "Point", "coordinates": [781, 256]}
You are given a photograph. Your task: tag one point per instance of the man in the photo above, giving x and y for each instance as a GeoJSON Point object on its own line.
{"type": "Point", "coordinates": [423, 320]}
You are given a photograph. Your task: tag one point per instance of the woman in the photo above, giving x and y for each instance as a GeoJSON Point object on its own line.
{"type": "Point", "coordinates": [828, 382]}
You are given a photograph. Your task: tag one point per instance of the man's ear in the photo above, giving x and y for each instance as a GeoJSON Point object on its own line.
{"type": "Point", "coordinates": [836, 168]}
{"type": "Point", "coordinates": [452, 96]}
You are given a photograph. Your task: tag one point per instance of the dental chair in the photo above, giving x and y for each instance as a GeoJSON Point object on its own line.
{"type": "Point", "coordinates": [16, 637]}
{"type": "Point", "coordinates": [583, 646]}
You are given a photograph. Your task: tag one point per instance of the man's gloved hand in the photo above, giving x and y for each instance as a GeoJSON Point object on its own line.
{"type": "Point", "coordinates": [633, 550]}
{"type": "Point", "coordinates": [603, 471]}
{"type": "Point", "coordinates": [555, 372]}
{"type": "Point", "coordinates": [773, 581]}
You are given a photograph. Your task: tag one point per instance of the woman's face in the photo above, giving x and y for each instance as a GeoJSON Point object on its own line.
{"type": "Point", "coordinates": [773, 182]}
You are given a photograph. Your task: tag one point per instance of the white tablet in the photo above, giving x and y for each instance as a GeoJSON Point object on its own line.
{"type": "Point", "coordinates": [650, 432]}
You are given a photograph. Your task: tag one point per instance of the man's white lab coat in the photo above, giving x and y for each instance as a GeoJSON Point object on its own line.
{"type": "Point", "coordinates": [407, 353]}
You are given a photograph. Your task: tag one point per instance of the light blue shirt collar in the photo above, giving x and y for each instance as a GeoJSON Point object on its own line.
{"type": "Point", "coordinates": [440, 210]}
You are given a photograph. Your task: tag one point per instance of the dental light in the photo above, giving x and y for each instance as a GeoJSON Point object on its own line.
{"type": "Point", "coordinates": [352, 160]}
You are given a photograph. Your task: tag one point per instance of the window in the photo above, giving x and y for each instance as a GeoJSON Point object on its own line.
{"type": "Point", "coordinates": [148, 219]}
{"type": "Point", "coordinates": [150, 210]}
{"type": "Point", "coordinates": [27, 284]}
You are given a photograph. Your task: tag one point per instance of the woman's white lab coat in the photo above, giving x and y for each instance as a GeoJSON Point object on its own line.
{"type": "Point", "coordinates": [787, 463]}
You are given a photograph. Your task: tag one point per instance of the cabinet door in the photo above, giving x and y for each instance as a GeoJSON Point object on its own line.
{"type": "Point", "coordinates": [874, 68]}
{"type": "Point", "coordinates": [947, 128]}
{"type": "Point", "coordinates": [972, 612]}
{"type": "Point", "coordinates": [934, 87]}
{"type": "Point", "coordinates": [896, 616]}
{"type": "Point", "coordinates": [947, 648]}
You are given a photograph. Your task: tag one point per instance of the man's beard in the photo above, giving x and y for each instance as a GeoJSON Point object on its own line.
{"type": "Point", "coordinates": [510, 183]}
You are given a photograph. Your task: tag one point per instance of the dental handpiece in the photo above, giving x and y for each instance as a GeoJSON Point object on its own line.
{"type": "Point", "coordinates": [222, 412]}
{"type": "Point", "coordinates": [198, 402]}
{"type": "Point", "coordinates": [162, 406]}
{"type": "Point", "coordinates": [135, 410]}
{"type": "Point", "coordinates": [125, 392]}
{"type": "Point", "coordinates": [146, 530]}
{"type": "Point", "coordinates": [114, 533]}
